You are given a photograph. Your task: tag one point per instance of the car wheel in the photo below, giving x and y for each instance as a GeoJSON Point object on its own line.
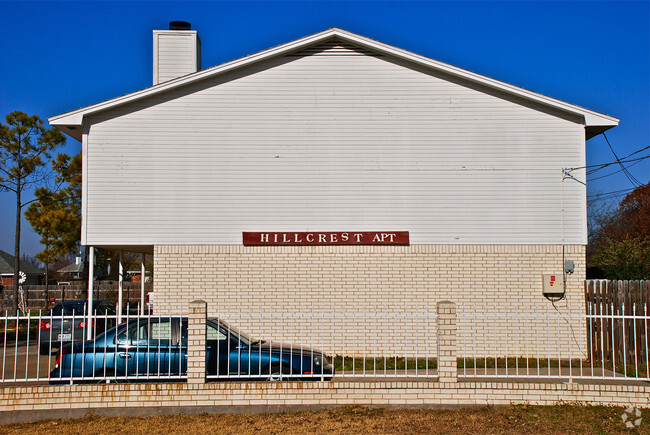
{"type": "Point", "coordinates": [44, 349]}
{"type": "Point", "coordinates": [102, 377]}
{"type": "Point", "coordinates": [277, 372]}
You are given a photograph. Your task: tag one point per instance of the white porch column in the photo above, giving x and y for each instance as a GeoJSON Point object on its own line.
{"type": "Point", "coordinates": [142, 286]}
{"type": "Point", "coordinates": [91, 288]}
{"type": "Point", "coordinates": [120, 287]}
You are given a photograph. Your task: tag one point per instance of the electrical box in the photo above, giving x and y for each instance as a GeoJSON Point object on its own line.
{"type": "Point", "coordinates": [553, 284]}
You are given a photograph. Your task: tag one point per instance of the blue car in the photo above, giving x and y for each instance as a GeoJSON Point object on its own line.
{"type": "Point", "coordinates": [156, 348]}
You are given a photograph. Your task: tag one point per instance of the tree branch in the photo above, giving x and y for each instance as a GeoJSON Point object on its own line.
{"type": "Point", "coordinates": [28, 202]}
{"type": "Point", "coordinates": [5, 186]}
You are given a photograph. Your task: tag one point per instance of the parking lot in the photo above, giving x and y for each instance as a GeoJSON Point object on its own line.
{"type": "Point", "coordinates": [23, 362]}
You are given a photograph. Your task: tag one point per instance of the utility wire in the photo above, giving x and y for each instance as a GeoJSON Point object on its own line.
{"type": "Point", "coordinates": [604, 165]}
{"type": "Point", "coordinates": [567, 172]}
{"type": "Point", "coordinates": [630, 177]}
{"type": "Point", "coordinates": [616, 172]}
{"type": "Point", "coordinates": [607, 195]}
{"type": "Point", "coordinates": [614, 192]}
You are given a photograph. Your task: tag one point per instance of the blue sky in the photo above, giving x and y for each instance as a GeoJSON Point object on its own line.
{"type": "Point", "coordinates": [59, 56]}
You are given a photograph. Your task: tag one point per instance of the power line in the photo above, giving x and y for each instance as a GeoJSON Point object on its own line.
{"type": "Point", "coordinates": [614, 192]}
{"type": "Point", "coordinates": [630, 177]}
{"type": "Point", "coordinates": [637, 152]}
{"type": "Point", "coordinates": [608, 195]}
{"type": "Point", "coordinates": [616, 172]}
{"type": "Point", "coordinates": [567, 172]}
{"type": "Point", "coordinates": [624, 160]}
{"type": "Point", "coordinates": [604, 165]}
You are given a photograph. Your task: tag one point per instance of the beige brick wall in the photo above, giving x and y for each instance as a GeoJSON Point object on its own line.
{"type": "Point", "coordinates": [31, 403]}
{"type": "Point", "coordinates": [369, 279]}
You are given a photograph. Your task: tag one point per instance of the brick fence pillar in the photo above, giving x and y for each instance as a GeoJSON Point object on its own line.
{"type": "Point", "coordinates": [196, 337]}
{"type": "Point", "coordinates": [447, 368]}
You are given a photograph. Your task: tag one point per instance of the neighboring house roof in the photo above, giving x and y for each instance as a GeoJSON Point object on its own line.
{"type": "Point", "coordinates": [595, 123]}
{"type": "Point", "coordinates": [72, 268]}
{"type": "Point", "coordinates": [7, 265]}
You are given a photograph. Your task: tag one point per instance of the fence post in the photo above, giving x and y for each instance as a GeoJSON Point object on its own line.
{"type": "Point", "coordinates": [447, 368]}
{"type": "Point", "coordinates": [196, 337]}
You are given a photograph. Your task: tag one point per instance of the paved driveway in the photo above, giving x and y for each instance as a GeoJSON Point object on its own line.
{"type": "Point", "coordinates": [22, 362]}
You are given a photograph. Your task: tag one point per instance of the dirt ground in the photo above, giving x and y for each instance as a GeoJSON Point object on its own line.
{"type": "Point", "coordinates": [360, 420]}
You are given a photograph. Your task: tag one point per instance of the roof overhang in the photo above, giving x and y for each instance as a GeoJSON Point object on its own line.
{"type": "Point", "coordinates": [595, 123]}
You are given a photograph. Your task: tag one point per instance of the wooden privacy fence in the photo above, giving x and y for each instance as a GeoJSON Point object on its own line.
{"type": "Point", "coordinates": [618, 324]}
{"type": "Point", "coordinates": [40, 297]}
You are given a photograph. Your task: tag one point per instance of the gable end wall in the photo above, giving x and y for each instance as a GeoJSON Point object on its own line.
{"type": "Point", "coordinates": [333, 142]}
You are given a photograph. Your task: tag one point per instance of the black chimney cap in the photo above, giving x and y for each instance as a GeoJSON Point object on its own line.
{"type": "Point", "coordinates": [179, 25]}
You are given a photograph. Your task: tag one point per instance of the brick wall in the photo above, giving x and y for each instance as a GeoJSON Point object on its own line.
{"type": "Point", "coordinates": [31, 403]}
{"type": "Point", "coordinates": [370, 278]}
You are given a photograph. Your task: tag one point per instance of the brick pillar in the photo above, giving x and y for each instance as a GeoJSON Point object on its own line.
{"type": "Point", "coordinates": [447, 369]}
{"type": "Point", "coordinates": [196, 337]}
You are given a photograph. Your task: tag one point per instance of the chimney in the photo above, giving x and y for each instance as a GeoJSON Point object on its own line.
{"type": "Point", "coordinates": [176, 52]}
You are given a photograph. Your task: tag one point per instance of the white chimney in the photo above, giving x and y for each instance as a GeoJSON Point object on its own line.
{"type": "Point", "coordinates": [176, 52]}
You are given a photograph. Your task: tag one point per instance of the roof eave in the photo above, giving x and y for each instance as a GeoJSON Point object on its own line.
{"type": "Point", "coordinates": [75, 118]}
{"type": "Point", "coordinates": [71, 123]}
{"type": "Point", "coordinates": [591, 118]}
{"type": "Point", "coordinates": [595, 130]}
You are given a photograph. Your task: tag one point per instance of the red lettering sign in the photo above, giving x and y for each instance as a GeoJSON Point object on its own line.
{"type": "Point", "coordinates": [327, 238]}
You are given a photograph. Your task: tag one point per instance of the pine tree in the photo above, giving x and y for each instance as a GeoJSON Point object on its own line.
{"type": "Point", "coordinates": [56, 214]}
{"type": "Point", "coordinates": [25, 147]}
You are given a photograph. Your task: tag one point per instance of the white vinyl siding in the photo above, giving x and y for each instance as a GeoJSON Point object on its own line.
{"type": "Point", "coordinates": [175, 54]}
{"type": "Point", "coordinates": [340, 142]}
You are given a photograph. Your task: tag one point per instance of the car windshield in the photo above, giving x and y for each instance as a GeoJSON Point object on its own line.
{"type": "Point", "coordinates": [69, 309]}
{"type": "Point", "coordinates": [234, 332]}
